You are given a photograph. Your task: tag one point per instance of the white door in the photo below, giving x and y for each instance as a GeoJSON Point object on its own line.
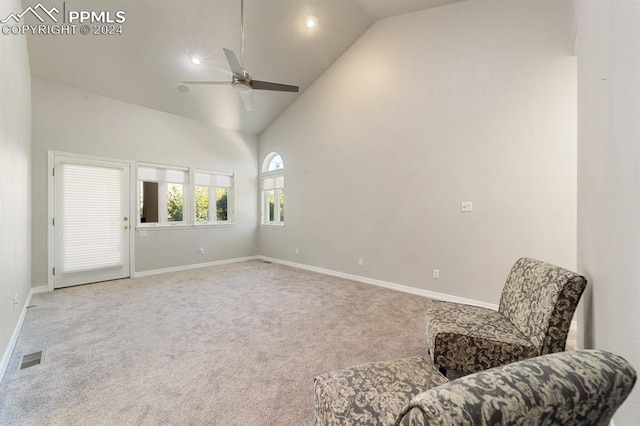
{"type": "Point", "coordinates": [91, 221]}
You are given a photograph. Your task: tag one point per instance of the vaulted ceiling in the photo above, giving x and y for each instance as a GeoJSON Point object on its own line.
{"type": "Point", "coordinates": [145, 63]}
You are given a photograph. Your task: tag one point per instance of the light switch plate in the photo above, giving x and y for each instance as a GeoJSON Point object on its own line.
{"type": "Point", "coordinates": [466, 206]}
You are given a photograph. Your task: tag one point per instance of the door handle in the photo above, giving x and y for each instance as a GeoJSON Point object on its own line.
{"type": "Point", "coordinates": [126, 227]}
{"type": "Point", "coordinates": [125, 218]}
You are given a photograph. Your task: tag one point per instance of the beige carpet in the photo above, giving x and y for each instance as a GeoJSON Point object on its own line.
{"type": "Point", "coordinates": [231, 345]}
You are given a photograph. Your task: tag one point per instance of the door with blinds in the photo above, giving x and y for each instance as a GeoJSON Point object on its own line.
{"type": "Point", "coordinates": [91, 221]}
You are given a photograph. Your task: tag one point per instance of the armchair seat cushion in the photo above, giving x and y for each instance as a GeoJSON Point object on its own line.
{"type": "Point", "coordinates": [373, 393]}
{"type": "Point", "coordinates": [471, 338]}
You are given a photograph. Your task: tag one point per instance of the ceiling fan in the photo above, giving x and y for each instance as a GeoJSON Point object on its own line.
{"type": "Point", "coordinates": [241, 80]}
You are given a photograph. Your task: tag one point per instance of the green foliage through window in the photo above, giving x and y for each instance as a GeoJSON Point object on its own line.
{"type": "Point", "coordinates": [203, 194]}
{"type": "Point", "coordinates": [272, 205]}
{"type": "Point", "coordinates": [281, 206]}
{"type": "Point", "coordinates": [222, 206]}
{"type": "Point", "coordinates": [272, 197]}
{"type": "Point", "coordinates": [202, 203]}
{"type": "Point", "coordinates": [175, 202]}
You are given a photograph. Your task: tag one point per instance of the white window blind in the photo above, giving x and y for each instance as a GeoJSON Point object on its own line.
{"type": "Point", "coordinates": [92, 222]}
{"type": "Point", "coordinates": [222, 180]}
{"type": "Point", "coordinates": [162, 174]}
{"type": "Point", "coordinates": [275, 182]}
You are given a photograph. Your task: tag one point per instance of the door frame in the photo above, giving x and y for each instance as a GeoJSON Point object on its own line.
{"type": "Point", "coordinates": [51, 208]}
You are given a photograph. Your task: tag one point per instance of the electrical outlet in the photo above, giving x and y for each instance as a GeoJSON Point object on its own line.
{"type": "Point", "coordinates": [436, 274]}
{"type": "Point", "coordinates": [297, 251]}
{"type": "Point", "coordinates": [15, 302]}
{"type": "Point", "coordinates": [360, 261]}
{"type": "Point", "coordinates": [200, 252]}
{"type": "Point", "coordinates": [142, 234]}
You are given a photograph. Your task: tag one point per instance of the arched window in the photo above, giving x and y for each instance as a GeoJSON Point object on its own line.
{"type": "Point", "coordinates": [275, 162]}
{"type": "Point", "coordinates": [272, 183]}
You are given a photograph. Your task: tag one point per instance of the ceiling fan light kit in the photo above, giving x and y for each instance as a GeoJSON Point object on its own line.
{"type": "Point", "coordinates": [241, 86]}
{"type": "Point", "coordinates": [242, 82]}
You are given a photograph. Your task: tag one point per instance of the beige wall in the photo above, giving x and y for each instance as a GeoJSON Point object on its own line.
{"type": "Point", "coordinates": [15, 177]}
{"type": "Point", "coordinates": [475, 101]}
{"type": "Point", "coordinates": [69, 120]}
{"type": "Point", "coordinates": [609, 181]}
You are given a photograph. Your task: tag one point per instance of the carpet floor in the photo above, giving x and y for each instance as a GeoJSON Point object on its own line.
{"type": "Point", "coordinates": [237, 344]}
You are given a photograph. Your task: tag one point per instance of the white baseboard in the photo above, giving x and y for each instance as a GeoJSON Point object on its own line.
{"type": "Point", "coordinates": [385, 284]}
{"type": "Point", "coordinates": [16, 331]}
{"type": "Point", "coordinates": [192, 266]}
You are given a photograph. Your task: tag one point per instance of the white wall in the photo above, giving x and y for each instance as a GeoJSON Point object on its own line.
{"type": "Point", "coordinates": [69, 120]}
{"type": "Point", "coordinates": [609, 180]}
{"type": "Point", "coordinates": [15, 177]}
{"type": "Point", "coordinates": [475, 101]}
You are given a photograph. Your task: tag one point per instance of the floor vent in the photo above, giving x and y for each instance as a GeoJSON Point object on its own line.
{"type": "Point", "coordinates": [31, 360]}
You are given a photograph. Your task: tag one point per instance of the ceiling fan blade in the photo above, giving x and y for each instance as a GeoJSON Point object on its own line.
{"type": "Point", "coordinates": [247, 100]}
{"type": "Point", "coordinates": [234, 64]}
{"type": "Point", "coordinates": [192, 83]}
{"type": "Point", "coordinates": [265, 85]}
{"type": "Point", "coordinates": [226, 71]}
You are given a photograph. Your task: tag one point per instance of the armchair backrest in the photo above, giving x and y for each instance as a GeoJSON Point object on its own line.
{"type": "Point", "coordinates": [539, 299]}
{"type": "Point", "coordinates": [568, 388]}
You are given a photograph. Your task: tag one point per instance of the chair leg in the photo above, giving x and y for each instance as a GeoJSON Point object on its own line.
{"type": "Point", "coordinates": [443, 371]}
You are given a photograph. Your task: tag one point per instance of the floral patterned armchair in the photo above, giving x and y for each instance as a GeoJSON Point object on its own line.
{"type": "Point", "coordinates": [372, 393]}
{"type": "Point", "coordinates": [570, 388]}
{"type": "Point", "coordinates": [534, 316]}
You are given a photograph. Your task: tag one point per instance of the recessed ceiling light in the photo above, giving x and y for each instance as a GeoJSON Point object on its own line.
{"type": "Point", "coordinates": [310, 22]}
{"type": "Point", "coordinates": [196, 60]}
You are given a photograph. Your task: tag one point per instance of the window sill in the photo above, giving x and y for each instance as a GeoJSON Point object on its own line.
{"type": "Point", "coordinates": [272, 225]}
{"type": "Point", "coordinates": [161, 227]}
{"type": "Point", "coordinates": [215, 225]}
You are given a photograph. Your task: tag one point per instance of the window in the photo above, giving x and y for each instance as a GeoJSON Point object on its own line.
{"type": "Point", "coordinates": [275, 163]}
{"type": "Point", "coordinates": [162, 191]}
{"type": "Point", "coordinates": [273, 190]}
{"type": "Point", "coordinates": [213, 197]}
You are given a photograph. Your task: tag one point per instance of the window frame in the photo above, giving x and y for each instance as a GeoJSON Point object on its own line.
{"type": "Point", "coordinates": [274, 175]}
{"type": "Point", "coordinates": [163, 186]}
{"type": "Point", "coordinates": [212, 197]}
